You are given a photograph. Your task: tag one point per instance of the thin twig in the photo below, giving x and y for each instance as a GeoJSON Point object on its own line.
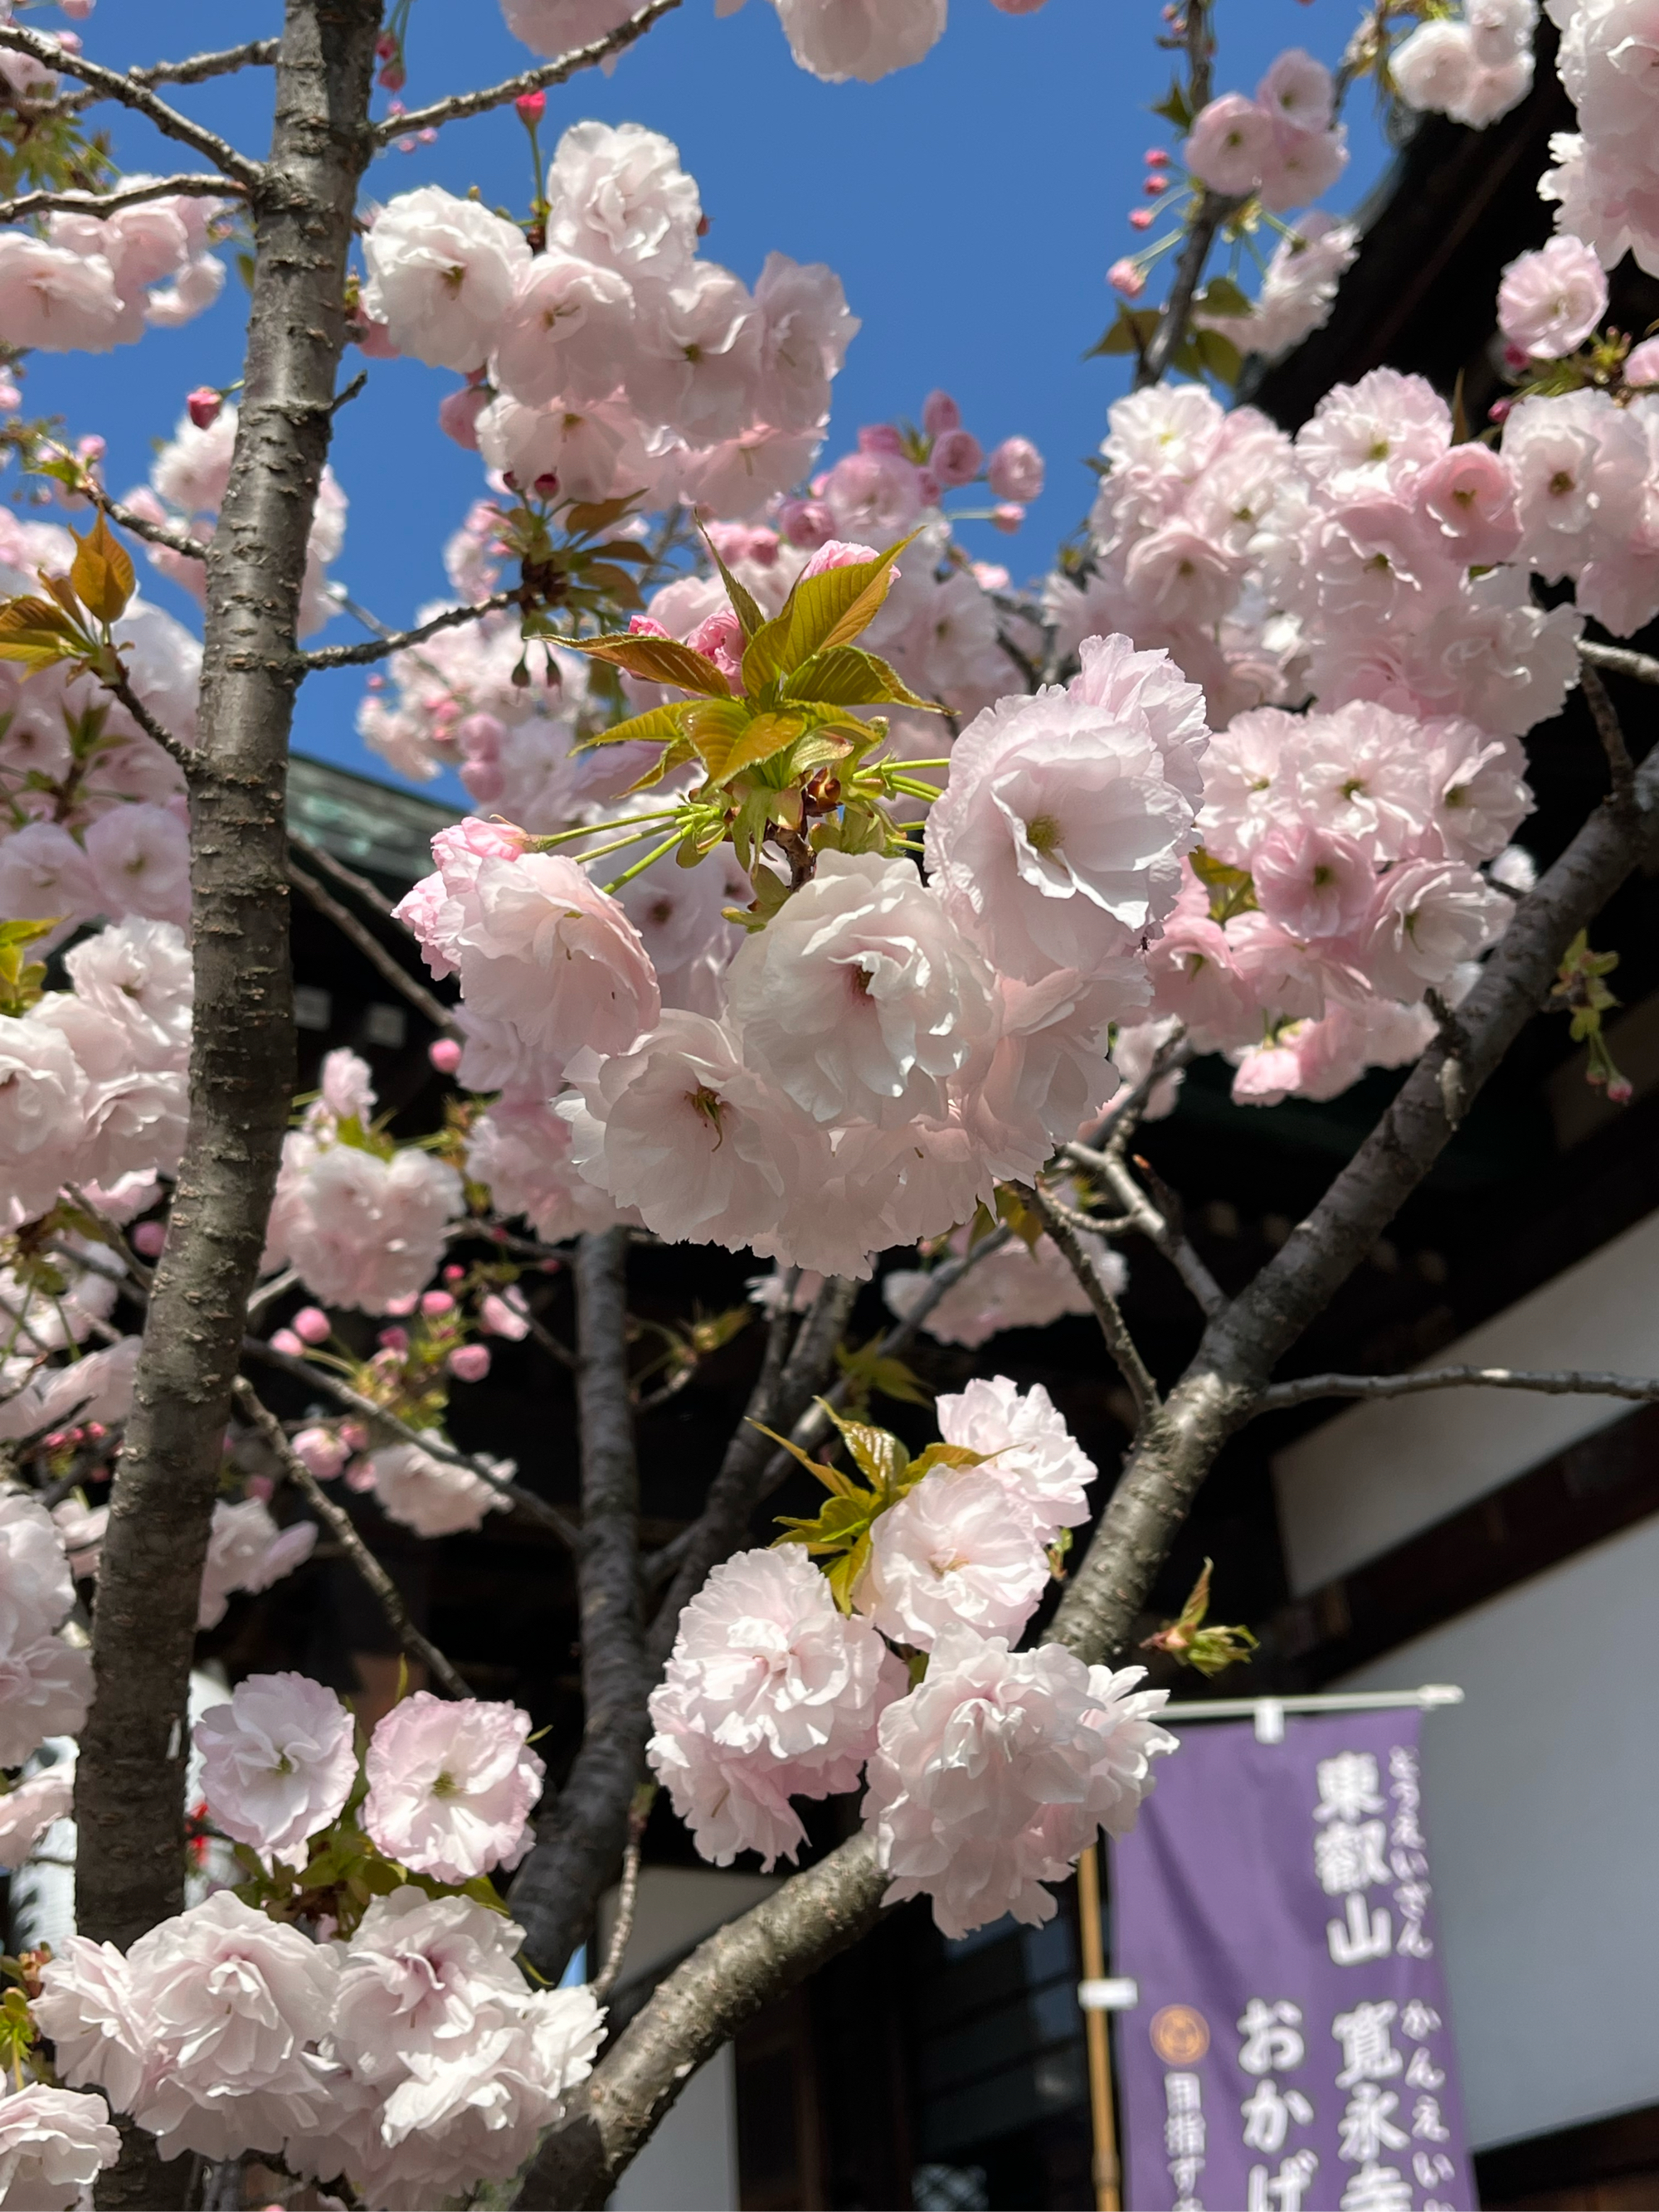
{"type": "Point", "coordinates": [304, 1370]}
{"type": "Point", "coordinates": [318, 856]}
{"type": "Point", "coordinates": [1213, 209]}
{"type": "Point", "coordinates": [112, 84]}
{"type": "Point", "coordinates": [1118, 1342]}
{"type": "Point", "coordinates": [102, 204]}
{"type": "Point", "coordinates": [1610, 730]}
{"type": "Point", "coordinates": [549, 1344]}
{"type": "Point", "coordinates": [390, 642]}
{"type": "Point", "coordinates": [1155, 1221]}
{"type": "Point", "coordinates": [628, 1895]}
{"type": "Point", "coordinates": [1620, 660]}
{"type": "Point", "coordinates": [1121, 1115]}
{"type": "Point", "coordinates": [345, 1534]}
{"type": "Point", "coordinates": [257, 53]}
{"type": "Point", "coordinates": [462, 104]}
{"type": "Point", "coordinates": [385, 964]}
{"type": "Point", "coordinates": [154, 534]}
{"type": "Point", "coordinates": [1564, 1383]}
{"type": "Point", "coordinates": [185, 757]}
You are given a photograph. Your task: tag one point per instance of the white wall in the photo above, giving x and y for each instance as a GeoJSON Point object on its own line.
{"type": "Point", "coordinates": [1375, 1474]}
{"type": "Point", "coordinates": [1542, 1802]}
{"type": "Point", "coordinates": [691, 2164]}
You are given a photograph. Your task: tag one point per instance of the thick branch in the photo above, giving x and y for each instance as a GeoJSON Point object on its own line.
{"type": "Point", "coordinates": [111, 84]}
{"type": "Point", "coordinates": [344, 1529]}
{"type": "Point", "coordinates": [462, 104]}
{"type": "Point", "coordinates": [556, 1889]}
{"type": "Point", "coordinates": [390, 642]}
{"type": "Point", "coordinates": [1118, 1342]}
{"type": "Point", "coordinates": [385, 964]}
{"type": "Point", "coordinates": [1620, 660]}
{"type": "Point", "coordinates": [125, 196]}
{"type": "Point", "coordinates": [130, 1779]}
{"type": "Point", "coordinates": [1558, 1382]}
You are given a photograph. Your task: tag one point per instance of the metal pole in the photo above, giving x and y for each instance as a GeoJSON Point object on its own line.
{"type": "Point", "coordinates": [1107, 2197]}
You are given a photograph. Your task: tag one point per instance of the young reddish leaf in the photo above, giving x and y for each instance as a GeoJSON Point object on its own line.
{"type": "Point", "coordinates": [102, 573]}
{"type": "Point", "coordinates": [659, 661]}
{"type": "Point", "coordinates": [828, 609]}
{"type": "Point", "coordinates": [743, 605]}
{"type": "Point", "coordinates": [37, 633]}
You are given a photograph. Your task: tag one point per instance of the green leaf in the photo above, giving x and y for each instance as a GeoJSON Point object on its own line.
{"type": "Point", "coordinates": [1221, 296]}
{"type": "Point", "coordinates": [743, 604]}
{"type": "Point", "coordinates": [1174, 107]}
{"type": "Point", "coordinates": [659, 661]}
{"type": "Point", "coordinates": [102, 573]}
{"type": "Point", "coordinates": [880, 1457]}
{"type": "Point", "coordinates": [943, 1455]}
{"type": "Point", "coordinates": [832, 1479]}
{"type": "Point", "coordinates": [762, 740]}
{"type": "Point", "coordinates": [1131, 333]}
{"type": "Point", "coordinates": [38, 634]}
{"type": "Point", "coordinates": [846, 676]}
{"type": "Point", "coordinates": [1231, 890]}
{"type": "Point", "coordinates": [1218, 355]}
{"type": "Point", "coordinates": [588, 517]}
{"type": "Point", "coordinates": [868, 1371]}
{"type": "Point", "coordinates": [822, 611]}
{"type": "Point", "coordinates": [660, 726]}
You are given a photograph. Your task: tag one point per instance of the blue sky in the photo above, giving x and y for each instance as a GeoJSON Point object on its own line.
{"type": "Point", "coordinates": [971, 206]}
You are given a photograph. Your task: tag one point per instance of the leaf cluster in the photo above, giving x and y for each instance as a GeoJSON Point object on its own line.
{"type": "Point", "coordinates": [841, 1533]}
{"type": "Point", "coordinates": [1232, 891]}
{"type": "Point", "coordinates": [1208, 1651]}
{"type": "Point", "coordinates": [345, 1872]}
{"type": "Point", "coordinates": [22, 980]}
{"type": "Point", "coordinates": [73, 622]}
{"type": "Point", "coordinates": [1199, 353]}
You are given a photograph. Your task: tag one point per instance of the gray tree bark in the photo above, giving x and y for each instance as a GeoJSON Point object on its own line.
{"type": "Point", "coordinates": [130, 1779]}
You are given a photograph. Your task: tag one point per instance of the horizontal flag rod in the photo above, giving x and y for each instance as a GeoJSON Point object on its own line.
{"type": "Point", "coordinates": [1268, 1713]}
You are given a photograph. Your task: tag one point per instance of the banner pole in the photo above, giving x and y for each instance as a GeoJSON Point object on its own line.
{"type": "Point", "coordinates": [1103, 2119]}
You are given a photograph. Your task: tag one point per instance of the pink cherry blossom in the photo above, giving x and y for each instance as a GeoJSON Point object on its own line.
{"type": "Point", "coordinates": [1015, 1288]}
{"type": "Point", "coordinates": [28, 1809]}
{"type": "Point", "coordinates": [1043, 1470]}
{"type": "Point", "coordinates": [1549, 302]}
{"type": "Point", "coordinates": [1231, 144]}
{"type": "Point", "coordinates": [836, 39]}
{"type": "Point", "coordinates": [1015, 471]}
{"type": "Point", "coordinates": [442, 274]}
{"type": "Point", "coordinates": [954, 1548]}
{"type": "Point", "coordinates": [247, 1551]}
{"type": "Point", "coordinates": [450, 1785]}
{"type": "Point", "coordinates": [618, 195]}
{"type": "Point", "coordinates": [433, 1497]}
{"type": "Point", "coordinates": [1000, 1769]}
{"type": "Point", "coordinates": [53, 2145]}
{"type": "Point", "coordinates": [278, 1762]}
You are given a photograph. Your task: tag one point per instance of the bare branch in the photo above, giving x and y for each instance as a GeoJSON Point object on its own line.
{"type": "Point", "coordinates": [304, 1370]}
{"type": "Point", "coordinates": [111, 84]}
{"type": "Point", "coordinates": [462, 104]}
{"type": "Point", "coordinates": [726, 1981]}
{"type": "Point", "coordinates": [1118, 1342]}
{"type": "Point", "coordinates": [258, 53]}
{"type": "Point", "coordinates": [154, 534]}
{"type": "Point", "coordinates": [102, 204]}
{"type": "Point", "coordinates": [1561, 1383]}
{"type": "Point", "coordinates": [1155, 1223]}
{"type": "Point", "coordinates": [577, 1839]}
{"type": "Point", "coordinates": [345, 1534]}
{"type": "Point", "coordinates": [1620, 660]}
{"type": "Point", "coordinates": [1610, 730]}
{"type": "Point", "coordinates": [1122, 1115]}
{"type": "Point", "coordinates": [628, 1896]}
{"type": "Point", "coordinates": [385, 964]}
{"type": "Point", "coordinates": [318, 856]}
{"type": "Point", "coordinates": [390, 642]}
{"type": "Point", "coordinates": [185, 757]}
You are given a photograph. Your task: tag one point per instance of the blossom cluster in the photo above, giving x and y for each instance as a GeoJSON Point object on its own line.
{"type": "Point", "coordinates": [1473, 67]}
{"type": "Point", "coordinates": [1606, 178]}
{"type": "Point", "coordinates": [1284, 148]}
{"type": "Point", "coordinates": [94, 282]}
{"type": "Point", "coordinates": [773, 1693]}
{"type": "Point", "coordinates": [91, 810]}
{"type": "Point", "coordinates": [45, 1678]}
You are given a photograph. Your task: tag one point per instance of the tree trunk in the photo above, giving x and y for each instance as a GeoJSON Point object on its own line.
{"type": "Point", "coordinates": [130, 1782]}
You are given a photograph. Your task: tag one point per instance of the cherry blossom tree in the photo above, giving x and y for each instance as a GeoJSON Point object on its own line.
{"type": "Point", "coordinates": [832, 899]}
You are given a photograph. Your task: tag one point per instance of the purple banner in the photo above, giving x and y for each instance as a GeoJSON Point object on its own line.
{"type": "Point", "coordinates": [1292, 2051]}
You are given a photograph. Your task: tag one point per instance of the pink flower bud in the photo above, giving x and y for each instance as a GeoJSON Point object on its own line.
{"type": "Point", "coordinates": [546, 485]}
{"type": "Point", "coordinates": [96, 1432]}
{"type": "Point", "coordinates": [454, 1273]}
{"type": "Point", "coordinates": [1641, 363]}
{"type": "Point", "coordinates": [433, 1303]}
{"type": "Point", "coordinates": [78, 10]}
{"type": "Point", "coordinates": [1015, 471]}
{"type": "Point", "coordinates": [1007, 517]}
{"type": "Point", "coordinates": [470, 1363]}
{"type": "Point", "coordinates": [1141, 218]}
{"type": "Point", "coordinates": [11, 398]}
{"type": "Point", "coordinates": [394, 77]}
{"type": "Point", "coordinates": [458, 413]}
{"type": "Point", "coordinates": [374, 339]}
{"type": "Point", "coordinates": [385, 46]}
{"type": "Point", "coordinates": [284, 1339]}
{"type": "Point", "coordinates": [529, 107]}
{"type": "Point", "coordinates": [880, 438]}
{"type": "Point", "coordinates": [359, 1475]}
{"type": "Point", "coordinates": [445, 1054]}
{"type": "Point", "coordinates": [1621, 1091]}
{"type": "Point", "coordinates": [957, 458]}
{"type": "Point", "coordinates": [806, 523]}
{"type": "Point", "coordinates": [941, 413]}
{"type": "Point", "coordinates": [1156, 158]}
{"type": "Point", "coordinates": [321, 1451]}
{"type": "Point", "coordinates": [1500, 410]}
{"type": "Point", "coordinates": [484, 781]}
{"type": "Point", "coordinates": [394, 1340]}
{"type": "Point", "coordinates": [1124, 276]}
{"type": "Point", "coordinates": [1155, 185]}
{"type": "Point", "coordinates": [429, 136]}
{"type": "Point", "coordinates": [312, 1323]}
{"type": "Point", "coordinates": [407, 145]}
{"type": "Point", "coordinates": [260, 1486]}
{"type": "Point", "coordinates": [504, 1316]}
{"type": "Point", "coordinates": [148, 1238]}
{"type": "Point", "coordinates": [399, 1307]}
{"type": "Point", "coordinates": [354, 1435]}
{"type": "Point", "coordinates": [202, 405]}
